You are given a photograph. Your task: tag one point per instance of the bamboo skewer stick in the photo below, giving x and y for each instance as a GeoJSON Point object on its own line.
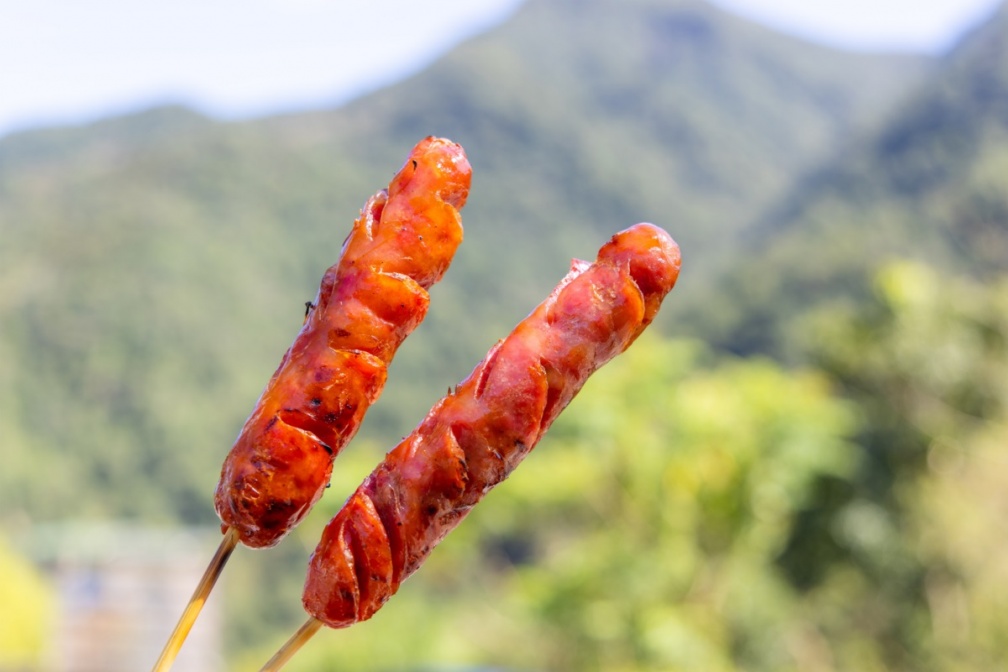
{"type": "Point", "coordinates": [196, 602]}
{"type": "Point", "coordinates": [292, 645]}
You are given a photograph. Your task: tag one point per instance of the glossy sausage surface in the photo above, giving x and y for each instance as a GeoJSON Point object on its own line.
{"type": "Point", "coordinates": [476, 435]}
{"type": "Point", "coordinates": [367, 304]}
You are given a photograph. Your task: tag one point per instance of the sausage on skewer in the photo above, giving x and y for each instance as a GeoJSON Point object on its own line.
{"type": "Point", "coordinates": [475, 436]}
{"type": "Point", "coordinates": [367, 304]}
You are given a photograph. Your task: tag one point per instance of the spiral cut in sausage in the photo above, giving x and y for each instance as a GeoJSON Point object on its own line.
{"type": "Point", "coordinates": [474, 437]}
{"type": "Point", "coordinates": [367, 304]}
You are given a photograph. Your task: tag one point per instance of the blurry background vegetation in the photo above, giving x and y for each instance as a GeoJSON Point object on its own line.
{"type": "Point", "coordinates": [801, 467]}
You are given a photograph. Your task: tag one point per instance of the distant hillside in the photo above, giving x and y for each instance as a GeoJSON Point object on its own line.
{"type": "Point", "coordinates": [154, 267]}
{"type": "Point", "coordinates": [931, 185]}
{"type": "Point", "coordinates": [674, 111]}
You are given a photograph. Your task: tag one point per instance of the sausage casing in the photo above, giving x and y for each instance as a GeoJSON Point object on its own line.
{"type": "Point", "coordinates": [476, 435]}
{"type": "Point", "coordinates": [367, 304]}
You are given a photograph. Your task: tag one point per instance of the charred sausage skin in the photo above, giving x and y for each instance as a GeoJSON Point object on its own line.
{"type": "Point", "coordinates": [476, 435]}
{"type": "Point", "coordinates": [367, 304]}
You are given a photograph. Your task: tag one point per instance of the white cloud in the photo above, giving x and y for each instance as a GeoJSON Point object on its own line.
{"type": "Point", "coordinates": [70, 61]}
{"type": "Point", "coordinates": [925, 25]}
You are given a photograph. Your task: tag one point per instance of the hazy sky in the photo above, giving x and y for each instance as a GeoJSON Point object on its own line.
{"type": "Point", "coordinates": [65, 62]}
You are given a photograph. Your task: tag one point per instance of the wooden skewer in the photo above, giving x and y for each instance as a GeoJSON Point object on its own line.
{"type": "Point", "coordinates": [196, 602]}
{"type": "Point", "coordinates": [293, 645]}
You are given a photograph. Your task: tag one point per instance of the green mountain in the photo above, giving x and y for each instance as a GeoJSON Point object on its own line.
{"type": "Point", "coordinates": [930, 185]}
{"type": "Point", "coordinates": [154, 267]}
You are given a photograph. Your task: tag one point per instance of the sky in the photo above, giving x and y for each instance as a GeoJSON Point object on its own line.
{"type": "Point", "coordinates": [65, 62]}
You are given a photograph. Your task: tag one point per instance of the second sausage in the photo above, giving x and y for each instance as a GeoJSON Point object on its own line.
{"type": "Point", "coordinates": [474, 437]}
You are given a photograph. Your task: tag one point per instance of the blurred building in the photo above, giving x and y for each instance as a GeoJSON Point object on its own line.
{"type": "Point", "coordinates": [120, 591]}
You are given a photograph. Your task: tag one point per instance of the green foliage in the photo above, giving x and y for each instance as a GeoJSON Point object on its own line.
{"type": "Point", "coordinates": [957, 513]}
{"type": "Point", "coordinates": [703, 470]}
{"type": "Point", "coordinates": [640, 535]}
{"type": "Point", "coordinates": [28, 612]}
{"type": "Point", "coordinates": [695, 512]}
{"type": "Point", "coordinates": [927, 365]}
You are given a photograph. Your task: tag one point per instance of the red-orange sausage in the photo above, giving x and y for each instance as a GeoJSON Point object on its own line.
{"type": "Point", "coordinates": [367, 304]}
{"type": "Point", "coordinates": [474, 437]}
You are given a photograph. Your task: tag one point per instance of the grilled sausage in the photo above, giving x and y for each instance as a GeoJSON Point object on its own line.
{"type": "Point", "coordinates": [475, 436]}
{"type": "Point", "coordinates": [367, 304]}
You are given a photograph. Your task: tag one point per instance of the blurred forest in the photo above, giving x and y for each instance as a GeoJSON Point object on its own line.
{"type": "Point", "coordinates": [800, 467]}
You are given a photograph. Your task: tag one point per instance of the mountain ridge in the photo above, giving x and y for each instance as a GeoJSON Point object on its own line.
{"type": "Point", "coordinates": [929, 184]}
{"type": "Point", "coordinates": [158, 264]}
